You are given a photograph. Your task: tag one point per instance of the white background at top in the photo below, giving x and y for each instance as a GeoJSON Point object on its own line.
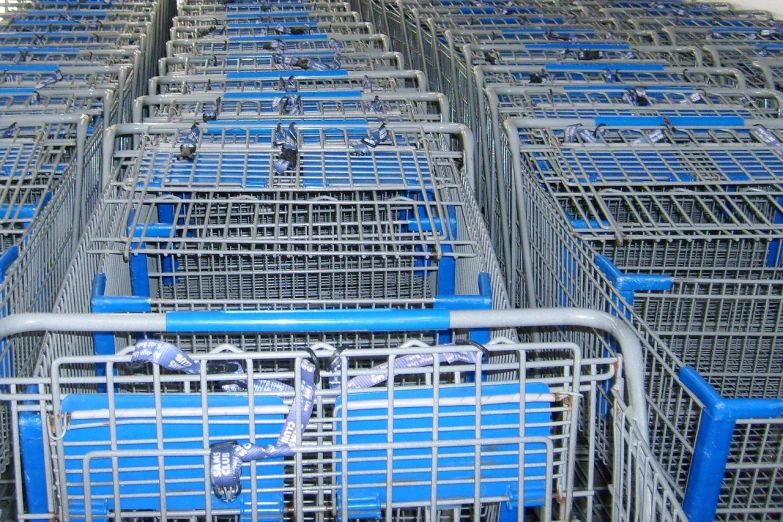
{"type": "Point", "coordinates": [775, 6]}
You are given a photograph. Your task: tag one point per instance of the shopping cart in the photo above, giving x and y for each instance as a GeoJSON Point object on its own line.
{"type": "Point", "coordinates": [273, 28]}
{"type": "Point", "coordinates": [250, 8]}
{"type": "Point", "coordinates": [336, 467]}
{"type": "Point", "coordinates": [371, 81]}
{"type": "Point", "coordinates": [320, 105]}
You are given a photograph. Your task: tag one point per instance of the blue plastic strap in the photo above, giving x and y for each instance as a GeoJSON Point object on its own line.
{"type": "Point", "coordinates": [50, 80]}
{"type": "Point", "coordinates": [628, 284]}
{"type": "Point", "coordinates": [376, 137]}
{"type": "Point", "coordinates": [766, 137]}
{"type": "Point", "coordinates": [188, 143]}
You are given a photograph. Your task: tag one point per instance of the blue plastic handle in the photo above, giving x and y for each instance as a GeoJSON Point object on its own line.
{"type": "Point", "coordinates": [25, 68]}
{"type": "Point", "coordinates": [717, 122]}
{"type": "Point", "coordinates": [285, 321]}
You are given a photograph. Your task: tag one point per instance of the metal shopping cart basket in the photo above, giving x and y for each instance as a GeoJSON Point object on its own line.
{"type": "Point", "coordinates": [337, 464]}
{"type": "Point", "coordinates": [575, 101]}
{"type": "Point", "coordinates": [712, 301]}
{"type": "Point", "coordinates": [274, 107]}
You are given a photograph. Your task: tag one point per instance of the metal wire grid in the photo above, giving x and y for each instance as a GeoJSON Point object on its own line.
{"type": "Point", "coordinates": [432, 40]}
{"type": "Point", "coordinates": [709, 183]}
{"type": "Point", "coordinates": [258, 44]}
{"type": "Point", "coordinates": [582, 76]}
{"type": "Point", "coordinates": [537, 101]}
{"type": "Point", "coordinates": [741, 54]}
{"type": "Point", "coordinates": [238, 30]}
{"type": "Point", "coordinates": [31, 54]}
{"type": "Point", "coordinates": [563, 372]}
{"type": "Point", "coordinates": [110, 15]}
{"type": "Point", "coordinates": [408, 107]}
{"type": "Point", "coordinates": [450, 45]}
{"type": "Point", "coordinates": [228, 63]}
{"type": "Point", "coordinates": [120, 78]}
{"type": "Point", "coordinates": [219, 8]}
{"type": "Point", "coordinates": [61, 26]}
{"type": "Point", "coordinates": [460, 77]}
{"type": "Point", "coordinates": [382, 81]}
{"type": "Point", "coordinates": [684, 12]}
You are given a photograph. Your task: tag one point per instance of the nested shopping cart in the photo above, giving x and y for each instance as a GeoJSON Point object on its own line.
{"type": "Point", "coordinates": [275, 81]}
{"type": "Point", "coordinates": [274, 107]}
{"type": "Point", "coordinates": [250, 8]}
{"type": "Point", "coordinates": [460, 75]}
{"type": "Point", "coordinates": [587, 101]}
{"type": "Point", "coordinates": [696, 255]}
{"type": "Point", "coordinates": [354, 426]}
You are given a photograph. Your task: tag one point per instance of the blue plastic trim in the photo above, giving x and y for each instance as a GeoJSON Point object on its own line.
{"type": "Point", "coordinates": [284, 321]}
{"type": "Point", "coordinates": [21, 68]}
{"type": "Point", "coordinates": [240, 15]}
{"type": "Point", "coordinates": [713, 442]}
{"type": "Point", "coordinates": [628, 284]}
{"type": "Point", "coordinates": [17, 92]}
{"type": "Point", "coordinates": [719, 122]}
{"type": "Point", "coordinates": [7, 259]}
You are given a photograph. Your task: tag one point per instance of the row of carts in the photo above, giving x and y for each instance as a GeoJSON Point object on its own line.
{"type": "Point", "coordinates": [280, 299]}
{"type": "Point", "coordinates": [638, 144]}
{"type": "Point", "coordinates": [66, 75]}
{"type": "Point", "coordinates": [390, 261]}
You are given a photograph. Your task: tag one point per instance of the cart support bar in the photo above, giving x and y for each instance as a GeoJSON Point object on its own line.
{"type": "Point", "coordinates": [713, 442]}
